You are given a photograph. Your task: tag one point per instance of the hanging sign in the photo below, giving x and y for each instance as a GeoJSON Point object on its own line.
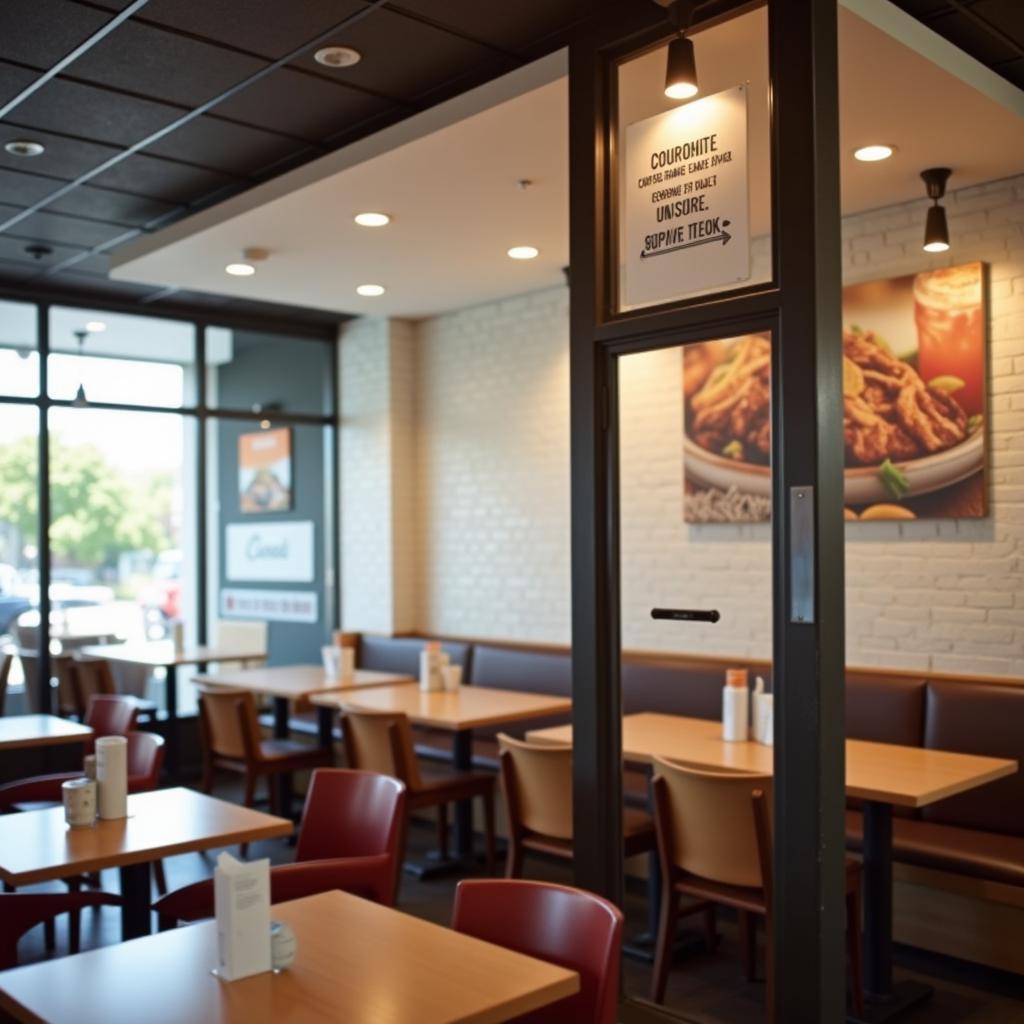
{"type": "Point", "coordinates": [270, 552]}
{"type": "Point", "coordinates": [686, 201]}
{"type": "Point", "coordinates": [269, 605]}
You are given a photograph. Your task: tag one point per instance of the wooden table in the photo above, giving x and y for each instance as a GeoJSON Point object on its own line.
{"type": "Point", "coordinates": [20, 731]}
{"type": "Point", "coordinates": [162, 654]}
{"type": "Point", "coordinates": [357, 962]}
{"type": "Point", "coordinates": [460, 712]}
{"type": "Point", "coordinates": [883, 775]}
{"type": "Point", "coordinates": [285, 683]}
{"type": "Point", "coordinates": [37, 846]}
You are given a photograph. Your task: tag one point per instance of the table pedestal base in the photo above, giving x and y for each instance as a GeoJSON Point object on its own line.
{"type": "Point", "coordinates": [904, 996]}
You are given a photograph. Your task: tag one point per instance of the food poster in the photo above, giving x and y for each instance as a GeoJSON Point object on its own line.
{"type": "Point", "coordinates": [265, 470]}
{"type": "Point", "coordinates": [914, 387]}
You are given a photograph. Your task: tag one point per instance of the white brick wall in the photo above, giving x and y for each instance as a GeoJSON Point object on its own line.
{"type": "Point", "coordinates": [492, 489]}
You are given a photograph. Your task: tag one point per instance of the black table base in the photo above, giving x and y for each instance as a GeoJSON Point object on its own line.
{"type": "Point", "coordinates": [135, 892]}
{"type": "Point", "coordinates": [902, 997]}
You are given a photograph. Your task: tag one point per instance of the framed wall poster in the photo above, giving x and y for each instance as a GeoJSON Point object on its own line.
{"type": "Point", "coordinates": [265, 470]}
{"type": "Point", "coordinates": [914, 389]}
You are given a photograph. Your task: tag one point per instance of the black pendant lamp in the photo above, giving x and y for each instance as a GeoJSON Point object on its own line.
{"type": "Point", "coordinates": [681, 62]}
{"type": "Point", "coordinates": [936, 231]}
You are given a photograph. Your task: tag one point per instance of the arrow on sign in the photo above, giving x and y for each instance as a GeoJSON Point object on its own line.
{"type": "Point", "coordinates": [723, 237]}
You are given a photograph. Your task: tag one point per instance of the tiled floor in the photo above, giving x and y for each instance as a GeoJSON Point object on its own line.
{"type": "Point", "coordinates": [707, 988]}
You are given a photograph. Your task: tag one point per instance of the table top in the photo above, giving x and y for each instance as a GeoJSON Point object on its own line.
{"type": "Point", "coordinates": [357, 961]}
{"type": "Point", "coordinates": [36, 846]}
{"type": "Point", "coordinates": [468, 707]}
{"type": "Point", "coordinates": [884, 772]}
{"type": "Point", "coordinates": [19, 731]}
{"type": "Point", "coordinates": [157, 653]}
{"type": "Point", "coordinates": [296, 681]}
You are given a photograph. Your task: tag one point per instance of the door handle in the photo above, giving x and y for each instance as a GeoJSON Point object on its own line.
{"type": "Point", "coordinates": [686, 614]}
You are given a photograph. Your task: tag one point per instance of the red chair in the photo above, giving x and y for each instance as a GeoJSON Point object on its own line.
{"type": "Point", "coordinates": [21, 911]}
{"type": "Point", "coordinates": [350, 839]}
{"type": "Point", "coordinates": [568, 927]}
{"type": "Point", "coordinates": [110, 714]}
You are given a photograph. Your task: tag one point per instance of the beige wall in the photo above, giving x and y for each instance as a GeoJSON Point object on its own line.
{"type": "Point", "coordinates": [490, 520]}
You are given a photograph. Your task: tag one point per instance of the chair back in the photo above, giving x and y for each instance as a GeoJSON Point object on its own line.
{"type": "Point", "coordinates": [6, 661]}
{"type": "Point", "coordinates": [706, 822]}
{"type": "Point", "coordinates": [69, 700]}
{"type": "Point", "coordinates": [231, 634]}
{"type": "Point", "coordinates": [29, 659]}
{"type": "Point", "coordinates": [110, 714]}
{"type": "Point", "coordinates": [229, 722]}
{"type": "Point", "coordinates": [92, 676]}
{"type": "Point", "coordinates": [145, 761]}
{"type": "Point", "coordinates": [380, 741]}
{"type": "Point", "coordinates": [351, 814]}
{"type": "Point", "coordinates": [569, 927]}
{"type": "Point", "coordinates": [537, 780]}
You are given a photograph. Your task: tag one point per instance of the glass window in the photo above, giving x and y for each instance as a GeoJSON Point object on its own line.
{"type": "Point", "coordinates": [267, 373]}
{"type": "Point", "coordinates": [115, 357]}
{"type": "Point", "coordinates": [19, 361]}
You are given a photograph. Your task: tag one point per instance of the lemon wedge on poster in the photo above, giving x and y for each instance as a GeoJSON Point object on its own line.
{"type": "Point", "coordinates": [853, 378]}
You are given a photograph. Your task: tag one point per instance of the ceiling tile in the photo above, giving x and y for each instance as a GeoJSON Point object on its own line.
{"type": "Point", "coordinates": [12, 81]}
{"type": "Point", "coordinates": [301, 104]}
{"type": "Point", "coordinates": [94, 113]}
{"type": "Point", "coordinates": [40, 32]}
{"type": "Point", "coordinates": [279, 28]}
{"type": "Point", "coordinates": [101, 204]}
{"type": "Point", "coordinates": [163, 179]}
{"type": "Point", "coordinates": [64, 157]}
{"type": "Point", "coordinates": [219, 144]}
{"type": "Point", "coordinates": [167, 66]}
{"type": "Point", "coordinates": [22, 189]}
{"type": "Point", "coordinates": [14, 249]}
{"type": "Point", "coordinates": [403, 57]}
{"type": "Point", "coordinates": [53, 227]}
{"type": "Point", "coordinates": [510, 26]}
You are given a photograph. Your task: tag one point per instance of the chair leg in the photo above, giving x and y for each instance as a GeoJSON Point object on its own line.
{"type": "Point", "coordinates": [711, 927]}
{"type": "Point", "coordinates": [74, 918]}
{"type": "Point", "coordinates": [514, 857]}
{"type": "Point", "coordinates": [769, 972]}
{"type": "Point", "coordinates": [206, 784]}
{"type": "Point", "coordinates": [748, 944]}
{"type": "Point", "coordinates": [159, 877]}
{"type": "Point", "coordinates": [668, 921]}
{"type": "Point", "coordinates": [50, 934]}
{"type": "Point", "coordinates": [853, 945]}
{"type": "Point", "coordinates": [489, 832]}
{"type": "Point", "coordinates": [442, 831]}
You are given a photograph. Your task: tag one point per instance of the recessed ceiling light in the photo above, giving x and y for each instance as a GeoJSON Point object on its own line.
{"type": "Point", "coordinates": [337, 56]}
{"type": "Point", "coordinates": [372, 220]}
{"type": "Point", "coordinates": [24, 147]}
{"type": "Point", "coordinates": [370, 290]}
{"type": "Point", "coordinates": [871, 154]}
{"type": "Point", "coordinates": [240, 269]}
{"type": "Point", "coordinates": [95, 326]}
{"type": "Point", "coordinates": [523, 252]}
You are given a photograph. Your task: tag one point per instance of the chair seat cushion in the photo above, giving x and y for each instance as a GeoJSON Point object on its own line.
{"type": "Point", "coordinates": [987, 855]}
{"type": "Point", "coordinates": [287, 750]}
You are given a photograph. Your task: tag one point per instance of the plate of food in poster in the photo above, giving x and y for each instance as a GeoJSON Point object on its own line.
{"type": "Point", "coordinates": [914, 384]}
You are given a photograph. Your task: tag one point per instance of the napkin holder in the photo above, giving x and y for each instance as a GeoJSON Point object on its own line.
{"type": "Point", "coordinates": [241, 895]}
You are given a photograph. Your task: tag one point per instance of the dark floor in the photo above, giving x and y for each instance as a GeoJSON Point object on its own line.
{"type": "Point", "coordinates": [705, 988]}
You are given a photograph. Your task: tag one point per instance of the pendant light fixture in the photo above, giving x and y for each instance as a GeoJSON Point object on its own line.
{"type": "Point", "coordinates": [80, 401]}
{"type": "Point", "coordinates": [681, 61]}
{"type": "Point", "coordinates": [936, 231]}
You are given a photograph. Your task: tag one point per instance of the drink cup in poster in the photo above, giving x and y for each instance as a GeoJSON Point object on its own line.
{"type": "Point", "coordinates": [951, 331]}
{"type": "Point", "coordinates": [79, 798]}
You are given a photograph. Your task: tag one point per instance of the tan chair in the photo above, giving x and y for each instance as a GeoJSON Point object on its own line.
{"type": "Point", "coordinates": [715, 843]}
{"type": "Point", "coordinates": [382, 742]}
{"type": "Point", "coordinates": [238, 634]}
{"type": "Point", "coordinates": [81, 678]}
{"type": "Point", "coordinates": [232, 741]}
{"type": "Point", "coordinates": [536, 781]}
{"type": "Point", "coordinates": [29, 659]}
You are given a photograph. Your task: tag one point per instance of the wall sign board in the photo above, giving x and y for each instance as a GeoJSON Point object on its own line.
{"type": "Point", "coordinates": [686, 202]}
{"type": "Point", "coordinates": [269, 605]}
{"type": "Point", "coordinates": [270, 552]}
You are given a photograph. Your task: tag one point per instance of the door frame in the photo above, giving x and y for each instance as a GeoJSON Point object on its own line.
{"type": "Point", "coordinates": [802, 308]}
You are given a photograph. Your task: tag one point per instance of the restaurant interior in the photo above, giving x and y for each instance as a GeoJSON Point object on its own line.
{"type": "Point", "coordinates": [512, 512]}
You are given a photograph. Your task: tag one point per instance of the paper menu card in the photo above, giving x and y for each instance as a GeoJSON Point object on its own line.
{"type": "Point", "coordinates": [241, 892]}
